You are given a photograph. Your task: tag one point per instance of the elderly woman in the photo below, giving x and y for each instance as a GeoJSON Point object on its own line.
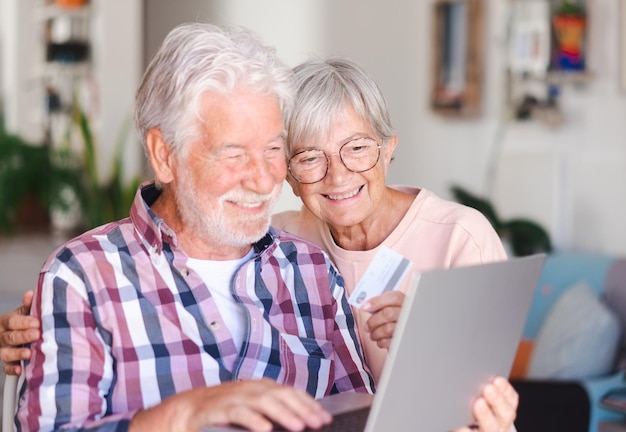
{"type": "Point", "coordinates": [341, 144]}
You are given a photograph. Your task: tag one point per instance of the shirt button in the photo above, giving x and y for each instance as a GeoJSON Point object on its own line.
{"type": "Point", "coordinates": [214, 325]}
{"type": "Point", "coordinates": [184, 272]}
{"type": "Point", "coordinates": [154, 249]}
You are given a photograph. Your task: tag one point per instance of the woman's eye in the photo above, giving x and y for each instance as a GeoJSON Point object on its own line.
{"type": "Point", "coordinates": [309, 159]}
{"type": "Point", "coordinates": [356, 149]}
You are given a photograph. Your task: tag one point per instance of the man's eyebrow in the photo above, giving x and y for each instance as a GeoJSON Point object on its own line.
{"type": "Point", "coordinates": [282, 136]}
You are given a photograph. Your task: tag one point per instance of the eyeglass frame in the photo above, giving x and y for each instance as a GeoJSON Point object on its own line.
{"type": "Point", "coordinates": [379, 146]}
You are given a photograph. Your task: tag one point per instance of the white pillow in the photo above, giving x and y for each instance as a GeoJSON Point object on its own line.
{"type": "Point", "coordinates": [578, 339]}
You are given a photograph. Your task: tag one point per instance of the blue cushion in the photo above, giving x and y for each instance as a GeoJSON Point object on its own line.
{"type": "Point", "coordinates": [562, 271]}
{"type": "Point", "coordinates": [579, 324]}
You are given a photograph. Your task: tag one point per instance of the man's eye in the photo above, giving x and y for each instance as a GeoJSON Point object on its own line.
{"type": "Point", "coordinates": [232, 158]}
{"type": "Point", "coordinates": [232, 155]}
{"type": "Point", "coordinates": [275, 150]}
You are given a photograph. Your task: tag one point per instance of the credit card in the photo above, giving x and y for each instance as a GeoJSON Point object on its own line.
{"type": "Point", "coordinates": [383, 274]}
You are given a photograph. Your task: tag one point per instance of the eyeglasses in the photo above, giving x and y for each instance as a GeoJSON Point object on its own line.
{"type": "Point", "coordinates": [357, 155]}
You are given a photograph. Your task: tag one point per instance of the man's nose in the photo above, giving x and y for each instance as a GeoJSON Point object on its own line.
{"type": "Point", "coordinates": [261, 176]}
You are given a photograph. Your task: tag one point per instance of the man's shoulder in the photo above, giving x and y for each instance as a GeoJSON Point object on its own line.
{"type": "Point", "coordinates": [99, 239]}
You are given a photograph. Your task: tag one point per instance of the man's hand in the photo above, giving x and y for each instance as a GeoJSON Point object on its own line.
{"type": "Point", "coordinates": [252, 404]}
{"type": "Point", "coordinates": [17, 328]}
{"type": "Point", "coordinates": [496, 408]}
{"type": "Point", "coordinates": [385, 310]}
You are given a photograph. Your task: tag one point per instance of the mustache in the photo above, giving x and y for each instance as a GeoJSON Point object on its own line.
{"type": "Point", "coordinates": [248, 197]}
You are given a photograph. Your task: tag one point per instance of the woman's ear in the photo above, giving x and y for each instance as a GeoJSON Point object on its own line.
{"type": "Point", "coordinates": [294, 185]}
{"type": "Point", "coordinates": [388, 149]}
{"type": "Point", "coordinates": [161, 156]}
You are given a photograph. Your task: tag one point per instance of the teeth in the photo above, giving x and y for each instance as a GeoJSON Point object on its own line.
{"type": "Point", "coordinates": [344, 196]}
{"type": "Point", "coordinates": [249, 204]}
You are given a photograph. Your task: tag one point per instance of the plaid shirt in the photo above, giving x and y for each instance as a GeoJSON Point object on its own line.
{"type": "Point", "coordinates": [126, 324]}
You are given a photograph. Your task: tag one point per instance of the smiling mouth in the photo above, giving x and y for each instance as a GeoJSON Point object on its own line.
{"type": "Point", "coordinates": [249, 204]}
{"type": "Point", "coordinates": [344, 195]}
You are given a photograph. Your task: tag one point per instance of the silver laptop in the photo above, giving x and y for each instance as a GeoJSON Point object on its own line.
{"type": "Point", "coordinates": [459, 327]}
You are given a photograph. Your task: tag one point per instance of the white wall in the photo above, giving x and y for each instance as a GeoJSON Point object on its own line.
{"type": "Point", "coordinates": [117, 47]}
{"type": "Point", "coordinates": [21, 96]}
{"type": "Point", "coordinates": [118, 65]}
{"type": "Point", "coordinates": [569, 179]}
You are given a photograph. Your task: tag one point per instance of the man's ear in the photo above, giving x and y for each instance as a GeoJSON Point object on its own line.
{"type": "Point", "coordinates": [161, 156]}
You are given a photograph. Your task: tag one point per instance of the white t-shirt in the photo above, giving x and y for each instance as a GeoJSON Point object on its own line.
{"type": "Point", "coordinates": [217, 275]}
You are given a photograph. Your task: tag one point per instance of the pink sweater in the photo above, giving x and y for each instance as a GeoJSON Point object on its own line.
{"type": "Point", "coordinates": [433, 234]}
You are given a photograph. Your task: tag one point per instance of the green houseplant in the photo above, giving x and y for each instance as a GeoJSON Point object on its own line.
{"type": "Point", "coordinates": [526, 237]}
{"type": "Point", "coordinates": [62, 179]}
{"type": "Point", "coordinates": [33, 170]}
{"type": "Point", "coordinates": [101, 202]}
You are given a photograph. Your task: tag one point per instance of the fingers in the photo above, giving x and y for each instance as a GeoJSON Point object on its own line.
{"type": "Point", "coordinates": [27, 301]}
{"type": "Point", "coordinates": [252, 404]}
{"type": "Point", "coordinates": [19, 318]}
{"type": "Point", "coordinates": [503, 400]}
{"type": "Point", "coordinates": [16, 329]}
{"type": "Point", "coordinates": [496, 409]}
{"type": "Point", "coordinates": [257, 404]}
{"type": "Point", "coordinates": [294, 409]}
{"type": "Point", "coordinates": [13, 368]}
{"type": "Point", "coordinates": [389, 298]}
{"type": "Point", "coordinates": [386, 310]}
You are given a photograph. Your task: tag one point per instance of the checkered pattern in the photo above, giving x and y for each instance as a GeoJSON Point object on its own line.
{"type": "Point", "coordinates": [126, 324]}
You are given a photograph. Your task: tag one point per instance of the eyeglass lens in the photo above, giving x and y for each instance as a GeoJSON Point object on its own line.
{"type": "Point", "coordinates": [311, 166]}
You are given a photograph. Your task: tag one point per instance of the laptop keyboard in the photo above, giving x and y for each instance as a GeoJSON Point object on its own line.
{"type": "Point", "coordinates": [352, 421]}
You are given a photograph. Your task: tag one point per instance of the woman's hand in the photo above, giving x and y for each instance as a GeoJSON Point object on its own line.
{"type": "Point", "coordinates": [496, 408]}
{"type": "Point", "coordinates": [385, 310]}
{"type": "Point", "coordinates": [17, 328]}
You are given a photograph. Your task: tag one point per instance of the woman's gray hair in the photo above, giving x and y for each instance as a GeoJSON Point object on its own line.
{"type": "Point", "coordinates": [324, 89]}
{"type": "Point", "coordinates": [199, 57]}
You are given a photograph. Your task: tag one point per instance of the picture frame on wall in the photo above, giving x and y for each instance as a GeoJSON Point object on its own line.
{"type": "Point", "coordinates": [457, 57]}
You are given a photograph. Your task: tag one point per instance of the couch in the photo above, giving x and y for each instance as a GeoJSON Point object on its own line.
{"type": "Point", "coordinates": [571, 352]}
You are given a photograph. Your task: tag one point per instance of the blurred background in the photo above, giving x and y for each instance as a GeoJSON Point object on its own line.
{"type": "Point", "coordinates": [490, 96]}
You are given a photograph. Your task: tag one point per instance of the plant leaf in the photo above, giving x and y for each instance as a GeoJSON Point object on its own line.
{"type": "Point", "coordinates": [481, 204]}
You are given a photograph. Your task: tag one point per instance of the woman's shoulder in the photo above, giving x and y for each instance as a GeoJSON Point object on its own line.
{"type": "Point", "coordinates": [288, 218]}
{"type": "Point", "coordinates": [301, 223]}
{"type": "Point", "coordinates": [444, 210]}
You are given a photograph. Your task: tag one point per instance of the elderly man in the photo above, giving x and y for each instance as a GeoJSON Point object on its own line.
{"type": "Point", "coordinates": [193, 311]}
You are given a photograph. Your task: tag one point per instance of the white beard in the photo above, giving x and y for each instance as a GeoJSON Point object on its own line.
{"type": "Point", "coordinates": [213, 225]}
